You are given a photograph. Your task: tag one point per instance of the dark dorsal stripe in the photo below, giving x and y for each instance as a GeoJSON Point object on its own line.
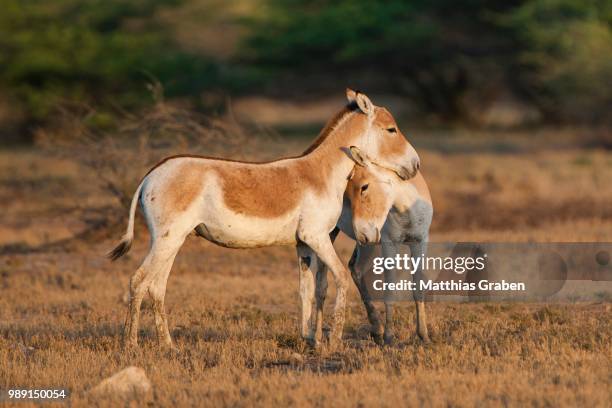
{"type": "Point", "coordinates": [329, 127]}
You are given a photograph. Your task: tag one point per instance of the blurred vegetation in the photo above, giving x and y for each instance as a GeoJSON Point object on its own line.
{"type": "Point", "coordinates": [565, 57]}
{"type": "Point", "coordinates": [95, 52]}
{"type": "Point", "coordinates": [432, 51]}
{"type": "Point", "coordinates": [555, 55]}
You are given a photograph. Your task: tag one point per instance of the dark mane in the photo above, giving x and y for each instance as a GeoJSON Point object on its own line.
{"type": "Point", "coordinates": [322, 136]}
{"type": "Point", "coordinates": [329, 127]}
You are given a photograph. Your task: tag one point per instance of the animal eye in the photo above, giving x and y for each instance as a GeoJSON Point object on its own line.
{"type": "Point", "coordinates": [364, 187]}
{"type": "Point", "coordinates": [392, 130]}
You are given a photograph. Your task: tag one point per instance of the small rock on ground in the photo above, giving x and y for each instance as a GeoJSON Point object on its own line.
{"type": "Point", "coordinates": [131, 382]}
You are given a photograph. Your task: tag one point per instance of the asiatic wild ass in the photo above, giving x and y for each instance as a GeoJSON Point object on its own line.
{"type": "Point", "coordinates": [291, 201]}
{"type": "Point", "coordinates": [406, 210]}
{"type": "Point", "coordinates": [407, 224]}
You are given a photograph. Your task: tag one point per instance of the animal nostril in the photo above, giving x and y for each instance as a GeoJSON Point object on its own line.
{"type": "Point", "coordinates": [417, 165]}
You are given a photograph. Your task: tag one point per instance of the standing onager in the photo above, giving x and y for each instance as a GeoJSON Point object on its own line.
{"type": "Point", "coordinates": [242, 205]}
{"type": "Point", "coordinates": [408, 222]}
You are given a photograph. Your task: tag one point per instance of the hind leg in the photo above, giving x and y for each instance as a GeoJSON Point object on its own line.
{"type": "Point", "coordinates": [155, 268]}
{"type": "Point", "coordinates": [306, 262]}
{"type": "Point", "coordinates": [419, 248]}
{"type": "Point", "coordinates": [157, 291]}
{"type": "Point", "coordinates": [320, 293]}
{"type": "Point", "coordinates": [138, 284]}
{"type": "Point", "coordinates": [389, 250]}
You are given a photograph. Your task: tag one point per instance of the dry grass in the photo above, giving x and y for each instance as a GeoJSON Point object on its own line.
{"type": "Point", "coordinates": [234, 313]}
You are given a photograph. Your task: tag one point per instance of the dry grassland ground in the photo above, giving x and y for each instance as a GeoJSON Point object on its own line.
{"type": "Point", "coordinates": [233, 314]}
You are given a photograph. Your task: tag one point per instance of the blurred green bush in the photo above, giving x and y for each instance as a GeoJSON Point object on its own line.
{"type": "Point", "coordinates": [100, 52]}
{"type": "Point", "coordinates": [432, 51]}
{"type": "Point", "coordinates": [565, 57]}
{"type": "Point", "coordinates": [554, 54]}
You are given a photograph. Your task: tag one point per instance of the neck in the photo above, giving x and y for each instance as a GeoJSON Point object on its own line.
{"type": "Point", "coordinates": [345, 129]}
{"type": "Point", "coordinates": [328, 154]}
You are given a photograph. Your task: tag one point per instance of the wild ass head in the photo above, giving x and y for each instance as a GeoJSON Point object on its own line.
{"type": "Point", "coordinates": [382, 140]}
{"type": "Point", "coordinates": [371, 191]}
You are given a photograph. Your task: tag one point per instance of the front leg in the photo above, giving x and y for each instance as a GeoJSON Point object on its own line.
{"type": "Point", "coordinates": [321, 290]}
{"type": "Point", "coordinates": [323, 247]}
{"type": "Point", "coordinates": [360, 262]}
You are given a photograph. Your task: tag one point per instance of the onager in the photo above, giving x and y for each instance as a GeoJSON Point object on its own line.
{"type": "Point", "coordinates": [404, 210]}
{"type": "Point", "coordinates": [407, 224]}
{"type": "Point", "coordinates": [290, 201]}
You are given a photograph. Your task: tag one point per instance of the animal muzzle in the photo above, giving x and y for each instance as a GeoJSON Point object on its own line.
{"type": "Point", "coordinates": [408, 172]}
{"type": "Point", "coordinates": [372, 236]}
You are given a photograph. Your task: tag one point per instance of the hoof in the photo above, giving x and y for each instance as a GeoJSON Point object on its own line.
{"type": "Point", "coordinates": [378, 338]}
{"type": "Point", "coordinates": [313, 343]}
{"type": "Point", "coordinates": [424, 338]}
{"type": "Point", "coordinates": [171, 351]}
{"type": "Point", "coordinates": [389, 340]}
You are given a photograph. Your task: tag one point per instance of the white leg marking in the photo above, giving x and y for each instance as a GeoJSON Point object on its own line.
{"type": "Point", "coordinates": [416, 249]}
{"type": "Point", "coordinates": [152, 276]}
{"type": "Point", "coordinates": [326, 252]}
{"type": "Point", "coordinates": [307, 286]}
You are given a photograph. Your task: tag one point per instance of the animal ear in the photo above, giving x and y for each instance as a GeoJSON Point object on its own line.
{"type": "Point", "coordinates": [351, 95]}
{"type": "Point", "coordinates": [364, 103]}
{"type": "Point", "coordinates": [350, 176]}
{"type": "Point", "coordinates": [357, 156]}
